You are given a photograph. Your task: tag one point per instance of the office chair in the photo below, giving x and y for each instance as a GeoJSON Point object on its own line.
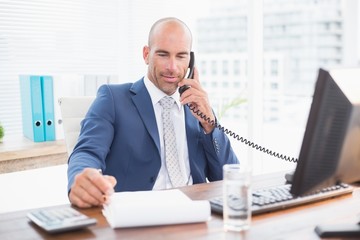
{"type": "Point", "coordinates": [73, 110]}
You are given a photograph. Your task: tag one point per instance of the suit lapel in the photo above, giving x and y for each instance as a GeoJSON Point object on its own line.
{"type": "Point", "coordinates": [142, 101]}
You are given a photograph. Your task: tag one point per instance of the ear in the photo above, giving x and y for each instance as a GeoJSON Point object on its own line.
{"type": "Point", "coordinates": [146, 51]}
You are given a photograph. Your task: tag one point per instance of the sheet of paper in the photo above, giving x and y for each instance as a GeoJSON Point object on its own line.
{"type": "Point", "coordinates": [147, 208]}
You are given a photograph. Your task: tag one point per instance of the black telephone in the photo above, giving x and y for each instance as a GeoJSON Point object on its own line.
{"type": "Point", "coordinates": [191, 72]}
{"type": "Point", "coordinates": [225, 130]}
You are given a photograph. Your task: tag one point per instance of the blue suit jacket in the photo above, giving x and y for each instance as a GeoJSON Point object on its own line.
{"type": "Point", "coordinates": [119, 135]}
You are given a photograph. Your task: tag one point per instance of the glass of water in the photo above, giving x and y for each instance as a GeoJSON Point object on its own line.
{"type": "Point", "coordinates": [236, 197]}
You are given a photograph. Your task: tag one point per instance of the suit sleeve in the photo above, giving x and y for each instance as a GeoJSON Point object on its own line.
{"type": "Point", "coordinates": [218, 151]}
{"type": "Point", "coordinates": [95, 137]}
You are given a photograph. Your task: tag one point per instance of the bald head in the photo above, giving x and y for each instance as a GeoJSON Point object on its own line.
{"type": "Point", "coordinates": [170, 24]}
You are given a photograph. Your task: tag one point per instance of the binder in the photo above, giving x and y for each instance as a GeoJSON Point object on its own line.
{"type": "Point", "coordinates": [32, 107]}
{"type": "Point", "coordinates": [48, 107]}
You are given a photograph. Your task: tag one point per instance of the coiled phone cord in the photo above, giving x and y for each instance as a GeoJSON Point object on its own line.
{"type": "Point", "coordinates": [239, 138]}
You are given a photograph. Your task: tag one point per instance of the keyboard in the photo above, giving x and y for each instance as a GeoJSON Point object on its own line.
{"type": "Point", "coordinates": [279, 197]}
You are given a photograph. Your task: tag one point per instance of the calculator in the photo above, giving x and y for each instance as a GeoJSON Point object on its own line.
{"type": "Point", "coordinates": [61, 219]}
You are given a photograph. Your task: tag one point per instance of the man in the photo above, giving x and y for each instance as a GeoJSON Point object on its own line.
{"type": "Point", "coordinates": [123, 136]}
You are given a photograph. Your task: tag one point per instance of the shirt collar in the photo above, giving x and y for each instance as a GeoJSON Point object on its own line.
{"type": "Point", "coordinates": [156, 94]}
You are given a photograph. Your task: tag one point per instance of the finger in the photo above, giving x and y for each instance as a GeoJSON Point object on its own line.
{"type": "Point", "coordinates": [91, 191]}
{"type": "Point", "coordinates": [80, 197]}
{"type": "Point", "coordinates": [111, 179]}
{"type": "Point", "coordinates": [79, 202]}
{"type": "Point", "coordinates": [102, 183]}
{"type": "Point", "coordinates": [191, 96]}
{"type": "Point", "coordinates": [85, 189]}
{"type": "Point", "coordinates": [192, 83]}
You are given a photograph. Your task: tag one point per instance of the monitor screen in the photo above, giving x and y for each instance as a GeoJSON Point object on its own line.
{"type": "Point", "coordinates": [330, 151]}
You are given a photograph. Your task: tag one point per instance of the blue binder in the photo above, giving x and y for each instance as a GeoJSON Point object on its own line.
{"type": "Point", "coordinates": [48, 107]}
{"type": "Point", "coordinates": [32, 108]}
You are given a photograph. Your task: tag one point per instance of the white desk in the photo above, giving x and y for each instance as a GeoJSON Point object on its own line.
{"type": "Point", "coordinates": [33, 188]}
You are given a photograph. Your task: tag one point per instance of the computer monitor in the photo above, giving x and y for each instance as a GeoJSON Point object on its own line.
{"type": "Point", "coordinates": [330, 151]}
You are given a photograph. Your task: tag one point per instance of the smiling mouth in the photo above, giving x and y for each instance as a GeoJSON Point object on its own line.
{"type": "Point", "coordinates": [169, 78]}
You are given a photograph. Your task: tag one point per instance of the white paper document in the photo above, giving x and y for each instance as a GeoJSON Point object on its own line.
{"type": "Point", "coordinates": [149, 208]}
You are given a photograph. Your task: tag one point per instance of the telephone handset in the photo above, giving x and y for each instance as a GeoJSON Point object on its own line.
{"type": "Point", "coordinates": [225, 130]}
{"type": "Point", "coordinates": [191, 72]}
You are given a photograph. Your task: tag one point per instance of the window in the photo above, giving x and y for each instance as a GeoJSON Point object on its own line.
{"type": "Point", "coordinates": [214, 67]}
{"type": "Point", "coordinates": [91, 38]}
{"type": "Point", "coordinates": [203, 68]}
{"type": "Point", "coordinates": [236, 67]}
{"type": "Point", "coordinates": [225, 68]}
{"type": "Point", "coordinates": [312, 44]}
{"type": "Point", "coordinates": [274, 67]}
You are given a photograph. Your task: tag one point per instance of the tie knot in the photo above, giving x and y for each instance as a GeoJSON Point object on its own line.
{"type": "Point", "coordinates": [167, 102]}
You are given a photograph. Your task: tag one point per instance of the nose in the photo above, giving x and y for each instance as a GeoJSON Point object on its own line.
{"type": "Point", "coordinates": [172, 64]}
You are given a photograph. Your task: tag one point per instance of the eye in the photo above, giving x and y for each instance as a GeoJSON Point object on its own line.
{"type": "Point", "coordinates": [162, 53]}
{"type": "Point", "coordinates": [182, 56]}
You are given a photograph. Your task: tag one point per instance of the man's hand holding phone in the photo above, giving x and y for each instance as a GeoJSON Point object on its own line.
{"type": "Point", "coordinates": [197, 99]}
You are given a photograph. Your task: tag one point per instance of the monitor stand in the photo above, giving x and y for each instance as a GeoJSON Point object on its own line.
{"type": "Point", "coordinates": [338, 230]}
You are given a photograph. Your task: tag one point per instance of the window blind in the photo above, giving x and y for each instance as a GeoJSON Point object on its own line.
{"type": "Point", "coordinates": [51, 37]}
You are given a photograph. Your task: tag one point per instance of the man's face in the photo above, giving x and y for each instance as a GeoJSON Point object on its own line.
{"type": "Point", "coordinates": [168, 57]}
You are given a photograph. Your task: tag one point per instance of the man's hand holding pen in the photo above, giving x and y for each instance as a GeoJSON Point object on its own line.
{"type": "Point", "coordinates": [91, 188]}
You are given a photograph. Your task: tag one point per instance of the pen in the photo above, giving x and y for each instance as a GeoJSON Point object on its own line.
{"type": "Point", "coordinates": [104, 195]}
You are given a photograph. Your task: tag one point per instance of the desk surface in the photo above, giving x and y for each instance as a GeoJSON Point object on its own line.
{"type": "Point", "coordinates": [294, 223]}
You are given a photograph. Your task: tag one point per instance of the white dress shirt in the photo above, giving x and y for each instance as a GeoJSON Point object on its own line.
{"type": "Point", "coordinates": [177, 113]}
